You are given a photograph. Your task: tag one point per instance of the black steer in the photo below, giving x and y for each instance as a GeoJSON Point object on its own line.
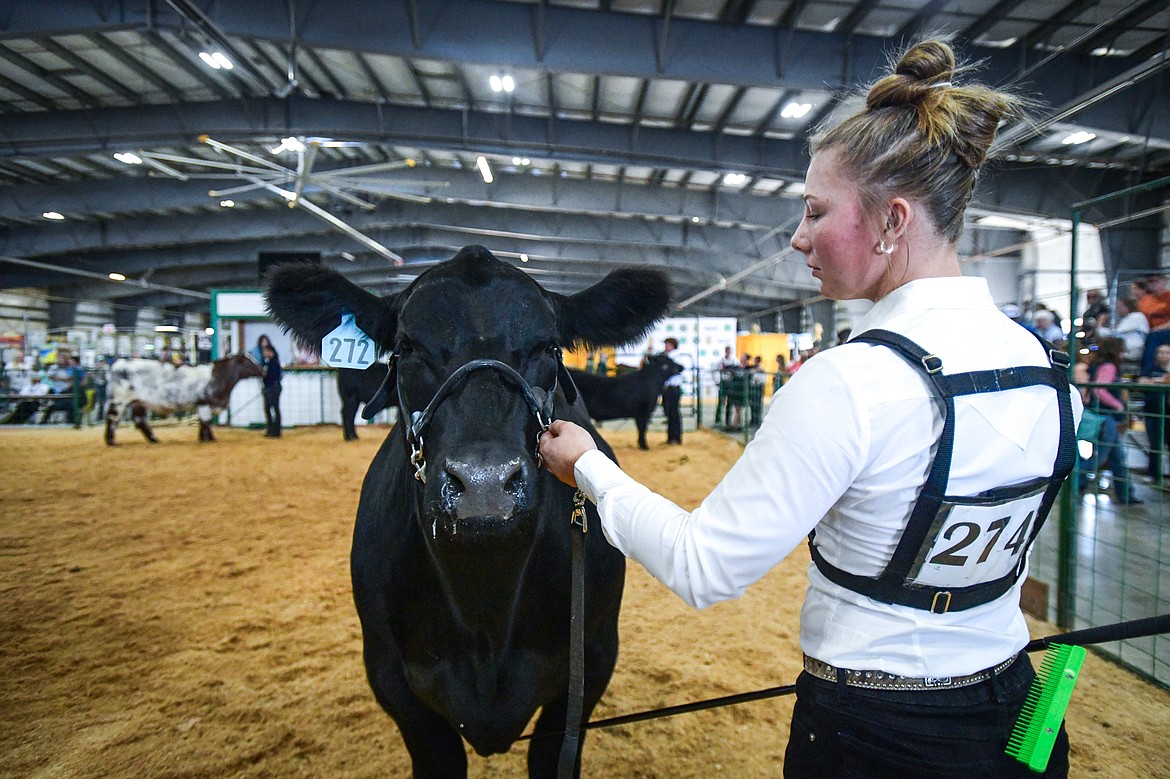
{"type": "Point", "coordinates": [356, 387]}
{"type": "Point", "coordinates": [461, 573]}
{"type": "Point", "coordinates": [629, 396]}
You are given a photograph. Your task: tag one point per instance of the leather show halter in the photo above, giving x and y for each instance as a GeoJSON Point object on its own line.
{"type": "Point", "coordinates": [539, 401]}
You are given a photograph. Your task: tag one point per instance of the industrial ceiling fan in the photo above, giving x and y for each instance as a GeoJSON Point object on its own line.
{"type": "Point", "coordinates": [292, 183]}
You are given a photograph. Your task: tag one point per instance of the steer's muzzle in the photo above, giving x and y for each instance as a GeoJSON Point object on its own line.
{"type": "Point", "coordinates": [481, 492]}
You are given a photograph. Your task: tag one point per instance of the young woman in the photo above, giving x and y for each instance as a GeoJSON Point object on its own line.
{"type": "Point", "coordinates": [911, 626]}
{"type": "Point", "coordinates": [1104, 367]}
{"type": "Point", "coordinates": [270, 365]}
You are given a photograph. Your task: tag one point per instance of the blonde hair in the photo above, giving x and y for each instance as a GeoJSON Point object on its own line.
{"type": "Point", "coordinates": [920, 136]}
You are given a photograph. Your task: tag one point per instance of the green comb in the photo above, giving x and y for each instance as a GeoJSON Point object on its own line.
{"type": "Point", "coordinates": [1035, 731]}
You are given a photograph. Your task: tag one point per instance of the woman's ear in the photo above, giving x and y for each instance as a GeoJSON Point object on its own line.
{"type": "Point", "coordinates": [898, 218]}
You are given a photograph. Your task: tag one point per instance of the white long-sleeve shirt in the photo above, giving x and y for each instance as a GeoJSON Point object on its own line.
{"type": "Point", "coordinates": [845, 448]}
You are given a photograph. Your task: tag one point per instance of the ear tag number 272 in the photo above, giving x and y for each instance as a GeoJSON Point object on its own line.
{"type": "Point", "coordinates": [346, 346]}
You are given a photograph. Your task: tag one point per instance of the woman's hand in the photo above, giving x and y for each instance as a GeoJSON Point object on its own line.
{"type": "Point", "coordinates": [561, 446]}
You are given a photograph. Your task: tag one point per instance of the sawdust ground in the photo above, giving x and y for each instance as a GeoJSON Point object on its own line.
{"type": "Point", "coordinates": [184, 610]}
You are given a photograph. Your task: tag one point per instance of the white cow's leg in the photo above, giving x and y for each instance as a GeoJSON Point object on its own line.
{"type": "Point", "coordinates": [205, 414]}
{"type": "Point", "coordinates": [112, 417]}
{"type": "Point", "coordinates": [138, 414]}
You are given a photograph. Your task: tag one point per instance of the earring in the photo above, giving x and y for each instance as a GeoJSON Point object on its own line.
{"type": "Point", "coordinates": [886, 249]}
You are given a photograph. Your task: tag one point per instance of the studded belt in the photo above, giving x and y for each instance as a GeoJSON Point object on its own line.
{"type": "Point", "coordinates": [880, 680]}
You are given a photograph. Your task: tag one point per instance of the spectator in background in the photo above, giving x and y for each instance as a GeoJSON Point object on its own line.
{"type": "Point", "coordinates": [1047, 328]}
{"type": "Point", "coordinates": [1132, 328]}
{"type": "Point", "coordinates": [1154, 412]}
{"type": "Point", "coordinates": [1105, 368]}
{"type": "Point", "coordinates": [270, 364]}
{"type": "Point", "coordinates": [258, 352]}
{"type": "Point", "coordinates": [1155, 301]}
{"type": "Point", "coordinates": [1098, 310]}
{"type": "Point", "coordinates": [31, 395]}
{"type": "Point", "coordinates": [723, 375]}
{"type": "Point", "coordinates": [61, 382]}
{"type": "Point", "coordinates": [1012, 312]}
{"type": "Point", "coordinates": [756, 380]}
{"type": "Point", "coordinates": [781, 374]}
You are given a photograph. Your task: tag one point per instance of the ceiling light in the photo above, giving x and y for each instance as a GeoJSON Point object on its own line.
{"type": "Point", "coordinates": [1080, 136]}
{"type": "Point", "coordinates": [209, 60]}
{"type": "Point", "coordinates": [229, 203]}
{"type": "Point", "coordinates": [128, 157]}
{"type": "Point", "coordinates": [116, 277]}
{"type": "Point", "coordinates": [525, 161]}
{"type": "Point", "coordinates": [209, 330]}
{"type": "Point", "coordinates": [495, 83]}
{"type": "Point", "coordinates": [734, 179]}
{"type": "Point", "coordinates": [509, 84]}
{"type": "Point", "coordinates": [481, 164]}
{"type": "Point", "coordinates": [165, 329]}
{"type": "Point", "coordinates": [222, 59]}
{"type": "Point", "coordinates": [288, 144]}
{"type": "Point", "coordinates": [515, 160]}
{"type": "Point", "coordinates": [347, 256]}
{"type": "Point", "coordinates": [696, 219]}
{"type": "Point", "coordinates": [523, 257]}
{"type": "Point", "coordinates": [55, 216]}
{"type": "Point", "coordinates": [501, 83]}
{"type": "Point", "coordinates": [795, 110]}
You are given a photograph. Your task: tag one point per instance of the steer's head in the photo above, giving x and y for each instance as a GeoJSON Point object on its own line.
{"type": "Point", "coordinates": [661, 365]}
{"type": "Point", "coordinates": [474, 431]}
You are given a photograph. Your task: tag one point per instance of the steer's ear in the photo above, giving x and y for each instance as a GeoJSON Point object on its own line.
{"type": "Point", "coordinates": [308, 301]}
{"type": "Point", "coordinates": [619, 309]}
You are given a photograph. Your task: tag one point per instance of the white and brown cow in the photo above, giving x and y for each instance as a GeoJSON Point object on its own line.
{"type": "Point", "coordinates": [149, 385]}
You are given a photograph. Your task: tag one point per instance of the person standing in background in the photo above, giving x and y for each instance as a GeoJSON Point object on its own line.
{"type": "Point", "coordinates": [1132, 328]}
{"type": "Point", "coordinates": [1155, 302]}
{"type": "Point", "coordinates": [671, 398]}
{"type": "Point", "coordinates": [270, 364]}
{"type": "Point", "coordinates": [258, 351]}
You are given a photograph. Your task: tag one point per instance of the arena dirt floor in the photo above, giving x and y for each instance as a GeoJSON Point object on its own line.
{"type": "Point", "coordinates": [183, 610]}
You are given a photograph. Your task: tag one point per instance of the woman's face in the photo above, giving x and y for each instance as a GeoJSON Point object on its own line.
{"type": "Point", "coordinates": [1162, 356]}
{"type": "Point", "coordinates": [837, 238]}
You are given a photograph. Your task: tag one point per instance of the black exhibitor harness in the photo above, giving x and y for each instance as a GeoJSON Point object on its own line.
{"type": "Point", "coordinates": [958, 552]}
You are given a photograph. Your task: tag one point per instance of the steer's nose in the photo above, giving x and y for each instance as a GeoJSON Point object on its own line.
{"type": "Point", "coordinates": [473, 489]}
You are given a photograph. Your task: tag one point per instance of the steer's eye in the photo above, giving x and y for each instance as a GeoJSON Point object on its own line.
{"type": "Point", "coordinates": [541, 351]}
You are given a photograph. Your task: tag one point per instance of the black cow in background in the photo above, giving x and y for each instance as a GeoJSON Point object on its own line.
{"type": "Point", "coordinates": [356, 387]}
{"type": "Point", "coordinates": [461, 569]}
{"type": "Point", "coordinates": [628, 396]}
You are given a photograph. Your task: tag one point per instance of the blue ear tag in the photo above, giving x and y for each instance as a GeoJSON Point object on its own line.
{"type": "Point", "coordinates": [346, 346]}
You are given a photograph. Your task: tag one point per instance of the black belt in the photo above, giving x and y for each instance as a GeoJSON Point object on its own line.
{"type": "Point", "coordinates": [881, 680]}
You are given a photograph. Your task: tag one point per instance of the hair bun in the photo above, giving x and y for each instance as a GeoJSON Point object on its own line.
{"type": "Point", "coordinates": [921, 72]}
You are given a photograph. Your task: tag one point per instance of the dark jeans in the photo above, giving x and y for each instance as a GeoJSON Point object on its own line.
{"type": "Point", "coordinates": [272, 409]}
{"type": "Point", "coordinates": [670, 404]}
{"type": "Point", "coordinates": [1157, 424]}
{"type": "Point", "coordinates": [851, 733]}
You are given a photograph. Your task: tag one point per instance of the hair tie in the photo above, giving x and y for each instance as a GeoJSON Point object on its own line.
{"type": "Point", "coordinates": [940, 84]}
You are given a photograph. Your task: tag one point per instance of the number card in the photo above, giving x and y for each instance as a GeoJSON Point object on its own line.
{"type": "Point", "coordinates": [346, 346]}
{"type": "Point", "coordinates": [975, 543]}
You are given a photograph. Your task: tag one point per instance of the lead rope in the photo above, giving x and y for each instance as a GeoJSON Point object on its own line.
{"type": "Point", "coordinates": [571, 745]}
